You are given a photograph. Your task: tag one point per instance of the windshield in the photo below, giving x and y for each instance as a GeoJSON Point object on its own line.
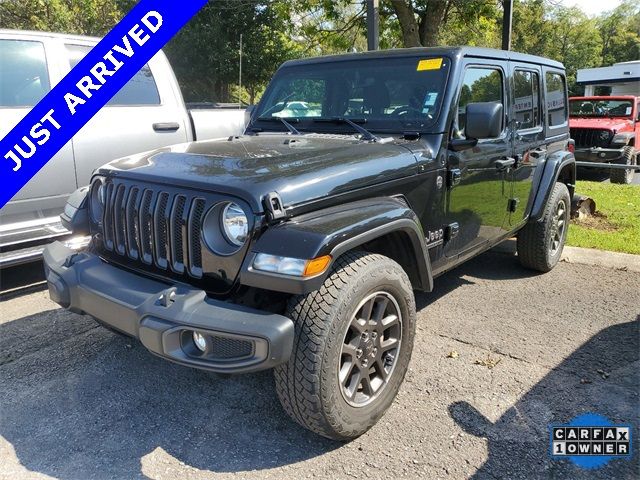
{"type": "Point", "coordinates": [600, 108]}
{"type": "Point", "coordinates": [387, 94]}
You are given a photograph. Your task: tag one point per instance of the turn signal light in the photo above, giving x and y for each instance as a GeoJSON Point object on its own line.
{"type": "Point", "coordinates": [296, 267]}
{"type": "Point", "coordinates": [317, 265]}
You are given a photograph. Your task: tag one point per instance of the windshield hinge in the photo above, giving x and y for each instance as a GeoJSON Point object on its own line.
{"type": "Point", "coordinates": [273, 206]}
{"type": "Point", "coordinates": [411, 135]}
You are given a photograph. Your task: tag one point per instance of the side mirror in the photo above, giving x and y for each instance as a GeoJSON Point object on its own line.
{"type": "Point", "coordinates": [483, 120]}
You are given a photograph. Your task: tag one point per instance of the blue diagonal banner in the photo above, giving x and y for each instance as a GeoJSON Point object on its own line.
{"type": "Point", "coordinates": [87, 88]}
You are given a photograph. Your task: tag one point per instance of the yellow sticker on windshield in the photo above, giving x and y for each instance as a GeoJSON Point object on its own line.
{"type": "Point", "coordinates": [429, 64]}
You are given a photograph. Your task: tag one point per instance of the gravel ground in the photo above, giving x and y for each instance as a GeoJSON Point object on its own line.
{"type": "Point", "coordinates": [79, 402]}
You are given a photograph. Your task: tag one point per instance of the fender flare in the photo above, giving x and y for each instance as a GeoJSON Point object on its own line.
{"type": "Point", "coordinates": [334, 231]}
{"type": "Point", "coordinates": [554, 164]}
{"type": "Point", "coordinates": [628, 139]}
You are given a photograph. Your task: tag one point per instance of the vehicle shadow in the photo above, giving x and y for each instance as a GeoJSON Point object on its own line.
{"type": "Point", "coordinates": [601, 377]}
{"type": "Point", "coordinates": [21, 280]}
{"type": "Point", "coordinates": [592, 174]}
{"type": "Point", "coordinates": [77, 401]}
{"type": "Point", "coordinates": [501, 263]}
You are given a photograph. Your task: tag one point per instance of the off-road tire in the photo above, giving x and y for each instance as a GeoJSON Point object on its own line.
{"type": "Point", "coordinates": [534, 239]}
{"type": "Point", "coordinates": [307, 385]}
{"type": "Point", "coordinates": [624, 177]}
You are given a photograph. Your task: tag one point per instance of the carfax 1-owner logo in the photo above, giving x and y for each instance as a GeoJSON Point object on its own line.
{"type": "Point", "coordinates": [590, 441]}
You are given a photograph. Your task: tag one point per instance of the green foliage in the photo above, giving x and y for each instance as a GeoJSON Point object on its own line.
{"type": "Point", "coordinates": [616, 225]}
{"type": "Point", "coordinates": [620, 33]}
{"type": "Point", "coordinates": [577, 43]}
{"type": "Point", "coordinates": [205, 54]}
{"type": "Point", "coordinates": [83, 17]}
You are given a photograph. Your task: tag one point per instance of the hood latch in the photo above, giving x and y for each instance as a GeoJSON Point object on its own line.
{"type": "Point", "coordinates": [273, 206]}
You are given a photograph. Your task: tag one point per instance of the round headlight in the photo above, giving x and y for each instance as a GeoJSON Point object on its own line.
{"type": "Point", "coordinates": [235, 224]}
{"type": "Point", "coordinates": [96, 201]}
{"type": "Point", "coordinates": [225, 228]}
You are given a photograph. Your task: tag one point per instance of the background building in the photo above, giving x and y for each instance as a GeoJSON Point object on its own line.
{"type": "Point", "coordinates": [620, 79]}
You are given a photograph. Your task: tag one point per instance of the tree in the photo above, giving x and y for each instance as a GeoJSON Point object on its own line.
{"type": "Point", "coordinates": [205, 53]}
{"type": "Point", "coordinates": [575, 42]}
{"type": "Point", "coordinates": [86, 17]}
{"type": "Point", "coordinates": [620, 34]}
{"type": "Point", "coordinates": [532, 27]}
{"type": "Point", "coordinates": [424, 22]}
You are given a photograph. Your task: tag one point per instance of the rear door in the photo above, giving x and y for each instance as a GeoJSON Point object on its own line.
{"type": "Point", "coordinates": [477, 199]}
{"type": "Point", "coordinates": [146, 114]}
{"type": "Point", "coordinates": [28, 70]}
{"type": "Point", "coordinates": [528, 136]}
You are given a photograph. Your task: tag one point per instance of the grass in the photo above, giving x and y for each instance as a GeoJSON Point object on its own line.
{"type": "Point", "coordinates": [616, 224]}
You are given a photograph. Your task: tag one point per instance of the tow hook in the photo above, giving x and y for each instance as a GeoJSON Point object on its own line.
{"type": "Point", "coordinates": [166, 298]}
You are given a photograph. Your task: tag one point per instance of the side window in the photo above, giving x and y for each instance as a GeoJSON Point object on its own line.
{"type": "Point", "coordinates": [527, 99]}
{"type": "Point", "coordinates": [140, 90]}
{"type": "Point", "coordinates": [479, 85]}
{"type": "Point", "coordinates": [556, 99]}
{"type": "Point", "coordinates": [24, 78]}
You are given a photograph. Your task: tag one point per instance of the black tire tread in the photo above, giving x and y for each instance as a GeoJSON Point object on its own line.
{"type": "Point", "coordinates": [618, 175]}
{"type": "Point", "coordinates": [296, 381]}
{"type": "Point", "coordinates": [532, 238]}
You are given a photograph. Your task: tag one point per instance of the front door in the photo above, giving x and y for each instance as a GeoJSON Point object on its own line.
{"type": "Point", "coordinates": [479, 186]}
{"type": "Point", "coordinates": [27, 72]}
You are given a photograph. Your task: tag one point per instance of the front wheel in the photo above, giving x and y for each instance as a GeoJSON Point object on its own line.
{"type": "Point", "coordinates": [540, 242]}
{"type": "Point", "coordinates": [352, 347]}
{"type": "Point", "coordinates": [622, 176]}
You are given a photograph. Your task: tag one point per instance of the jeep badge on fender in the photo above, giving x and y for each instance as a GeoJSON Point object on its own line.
{"type": "Point", "coordinates": [298, 245]}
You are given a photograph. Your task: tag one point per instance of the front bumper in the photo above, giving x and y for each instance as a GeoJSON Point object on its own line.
{"type": "Point", "coordinates": [597, 154]}
{"type": "Point", "coordinates": [164, 316]}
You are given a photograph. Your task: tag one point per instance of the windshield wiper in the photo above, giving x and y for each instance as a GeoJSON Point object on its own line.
{"type": "Point", "coordinates": [290, 127]}
{"type": "Point", "coordinates": [366, 134]}
{"type": "Point", "coordinates": [275, 105]}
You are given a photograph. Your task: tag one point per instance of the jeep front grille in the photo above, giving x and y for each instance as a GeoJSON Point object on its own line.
{"type": "Point", "coordinates": [156, 227]}
{"type": "Point", "coordinates": [590, 137]}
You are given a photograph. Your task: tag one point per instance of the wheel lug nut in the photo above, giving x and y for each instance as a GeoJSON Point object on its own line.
{"type": "Point", "coordinates": [358, 352]}
{"type": "Point", "coordinates": [373, 352]}
{"type": "Point", "coordinates": [365, 362]}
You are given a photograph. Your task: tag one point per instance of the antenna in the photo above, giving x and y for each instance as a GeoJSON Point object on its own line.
{"type": "Point", "coordinates": [240, 77]}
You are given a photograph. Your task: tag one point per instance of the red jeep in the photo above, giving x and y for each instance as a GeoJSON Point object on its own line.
{"type": "Point", "coordinates": [605, 129]}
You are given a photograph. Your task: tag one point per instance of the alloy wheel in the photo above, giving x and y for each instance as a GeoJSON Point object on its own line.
{"type": "Point", "coordinates": [559, 226]}
{"type": "Point", "coordinates": [370, 349]}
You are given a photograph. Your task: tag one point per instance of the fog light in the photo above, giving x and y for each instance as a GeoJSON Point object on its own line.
{"type": "Point", "coordinates": [199, 341]}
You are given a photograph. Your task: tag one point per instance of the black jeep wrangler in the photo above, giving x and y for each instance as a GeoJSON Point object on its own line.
{"type": "Point", "coordinates": [298, 245]}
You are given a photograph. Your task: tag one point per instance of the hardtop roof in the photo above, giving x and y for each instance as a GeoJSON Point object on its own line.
{"type": "Point", "coordinates": [452, 52]}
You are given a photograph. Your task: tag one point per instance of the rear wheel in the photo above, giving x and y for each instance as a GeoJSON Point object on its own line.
{"type": "Point", "coordinates": [352, 347]}
{"type": "Point", "coordinates": [540, 243]}
{"type": "Point", "coordinates": [619, 175]}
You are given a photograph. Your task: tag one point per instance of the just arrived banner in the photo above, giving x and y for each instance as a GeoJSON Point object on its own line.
{"type": "Point", "coordinates": [87, 88]}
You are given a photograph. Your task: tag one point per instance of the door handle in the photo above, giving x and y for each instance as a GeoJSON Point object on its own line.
{"type": "Point", "coordinates": [505, 163]}
{"type": "Point", "coordinates": [166, 127]}
{"type": "Point", "coordinates": [454, 177]}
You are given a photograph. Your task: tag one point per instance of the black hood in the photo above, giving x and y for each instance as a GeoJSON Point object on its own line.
{"type": "Point", "coordinates": [299, 168]}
